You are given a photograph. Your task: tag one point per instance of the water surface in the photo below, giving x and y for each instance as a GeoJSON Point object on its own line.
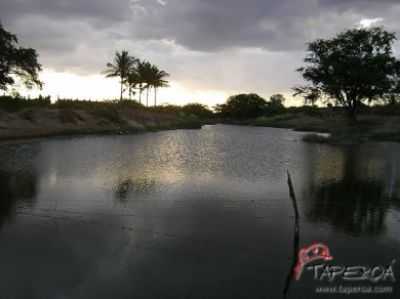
{"type": "Point", "coordinates": [189, 213]}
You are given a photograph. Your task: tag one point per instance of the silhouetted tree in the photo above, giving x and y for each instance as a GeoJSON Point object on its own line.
{"type": "Point", "coordinates": [354, 67]}
{"type": "Point", "coordinates": [157, 80]}
{"type": "Point", "coordinates": [199, 110]}
{"type": "Point", "coordinates": [242, 106]}
{"type": "Point", "coordinates": [121, 67]}
{"type": "Point", "coordinates": [145, 73]}
{"type": "Point", "coordinates": [17, 61]}
{"type": "Point", "coordinates": [277, 100]}
{"type": "Point", "coordinates": [275, 104]}
{"type": "Point", "coordinates": [136, 74]}
{"type": "Point", "coordinates": [392, 99]}
{"type": "Point", "coordinates": [139, 76]}
{"type": "Point", "coordinates": [133, 82]}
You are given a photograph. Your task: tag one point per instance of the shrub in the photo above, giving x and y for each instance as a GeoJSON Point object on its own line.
{"type": "Point", "coordinates": [199, 110]}
{"type": "Point", "coordinates": [242, 106]}
{"type": "Point", "coordinates": [13, 104]}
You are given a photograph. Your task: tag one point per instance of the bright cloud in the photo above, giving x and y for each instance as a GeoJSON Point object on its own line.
{"type": "Point", "coordinates": [211, 48]}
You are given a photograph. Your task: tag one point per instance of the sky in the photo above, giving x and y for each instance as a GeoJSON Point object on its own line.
{"type": "Point", "coordinates": [211, 48]}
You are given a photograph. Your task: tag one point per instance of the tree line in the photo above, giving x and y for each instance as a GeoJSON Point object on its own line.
{"type": "Point", "coordinates": [355, 68]}
{"type": "Point", "coordinates": [17, 61]}
{"type": "Point", "coordinates": [136, 76]}
{"type": "Point", "coordinates": [245, 106]}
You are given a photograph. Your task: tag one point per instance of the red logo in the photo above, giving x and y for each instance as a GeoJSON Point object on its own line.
{"type": "Point", "coordinates": [314, 252]}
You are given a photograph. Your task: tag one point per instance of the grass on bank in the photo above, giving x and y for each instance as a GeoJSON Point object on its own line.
{"type": "Point", "coordinates": [23, 117]}
{"type": "Point", "coordinates": [380, 123]}
{"type": "Point", "coordinates": [109, 109]}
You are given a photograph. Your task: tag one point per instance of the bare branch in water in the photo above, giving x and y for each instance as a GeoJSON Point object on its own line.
{"type": "Point", "coordinates": [296, 238]}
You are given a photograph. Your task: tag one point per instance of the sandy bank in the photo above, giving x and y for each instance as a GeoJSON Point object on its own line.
{"type": "Point", "coordinates": [43, 122]}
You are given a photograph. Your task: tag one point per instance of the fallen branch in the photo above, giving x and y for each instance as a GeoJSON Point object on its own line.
{"type": "Point", "coordinates": [296, 238]}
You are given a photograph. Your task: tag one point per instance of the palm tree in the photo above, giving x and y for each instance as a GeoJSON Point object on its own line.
{"type": "Point", "coordinates": [121, 67]}
{"type": "Point", "coordinates": [144, 70]}
{"type": "Point", "coordinates": [157, 80]}
{"type": "Point", "coordinates": [141, 71]}
{"type": "Point", "coordinates": [133, 81]}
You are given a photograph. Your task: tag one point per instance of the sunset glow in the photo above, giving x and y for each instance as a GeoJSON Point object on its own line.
{"type": "Point", "coordinates": [97, 87]}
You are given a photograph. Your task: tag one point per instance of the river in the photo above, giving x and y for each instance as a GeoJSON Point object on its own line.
{"type": "Point", "coordinates": [192, 214]}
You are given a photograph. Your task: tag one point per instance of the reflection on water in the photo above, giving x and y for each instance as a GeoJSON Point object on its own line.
{"type": "Point", "coordinates": [16, 187]}
{"type": "Point", "coordinates": [353, 206]}
{"type": "Point", "coordinates": [128, 188]}
{"type": "Point", "coordinates": [357, 200]}
{"type": "Point", "coordinates": [188, 214]}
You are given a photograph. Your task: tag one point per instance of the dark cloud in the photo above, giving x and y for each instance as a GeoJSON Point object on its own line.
{"type": "Point", "coordinates": [356, 3]}
{"type": "Point", "coordinates": [214, 25]}
{"type": "Point", "coordinates": [104, 10]}
{"type": "Point", "coordinates": [201, 42]}
{"type": "Point", "coordinates": [201, 25]}
{"type": "Point", "coordinates": [209, 25]}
